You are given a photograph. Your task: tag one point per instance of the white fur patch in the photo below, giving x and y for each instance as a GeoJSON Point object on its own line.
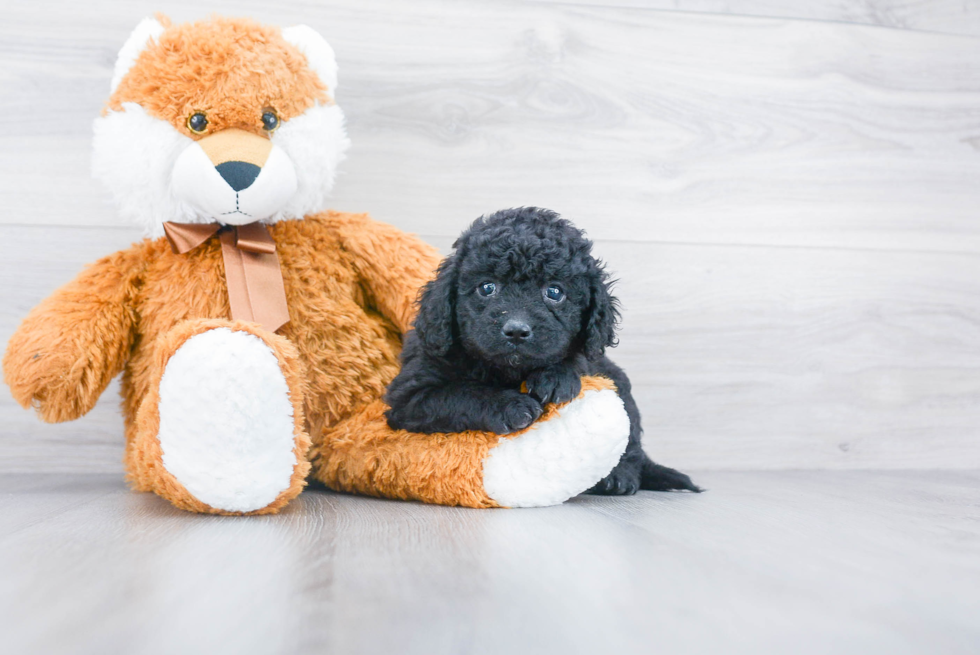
{"type": "Point", "coordinates": [316, 142]}
{"type": "Point", "coordinates": [134, 156]}
{"type": "Point", "coordinates": [197, 183]}
{"type": "Point", "coordinates": [226, 421]}
{"type": "Point", "coordinates": [560, 458]}
{"type": "Point", "coordinates": [319, 54]}
{"type": "Point", "coordinates": [147, 30]}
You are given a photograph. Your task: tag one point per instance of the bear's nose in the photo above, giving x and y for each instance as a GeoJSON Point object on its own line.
{"type": "Point", "coordinates": [238, 174]}
{"type": "Point", "coordinates": [516, 330]}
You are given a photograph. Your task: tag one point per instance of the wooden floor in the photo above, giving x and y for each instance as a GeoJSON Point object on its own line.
{"type": "Point", "coordinates": [765, 562]}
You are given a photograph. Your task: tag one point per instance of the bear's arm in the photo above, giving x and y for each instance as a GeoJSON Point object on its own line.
{"type": "Point", "coordinates": [69, 347]}
{"type": "Point", "coordinates": [391, 264]}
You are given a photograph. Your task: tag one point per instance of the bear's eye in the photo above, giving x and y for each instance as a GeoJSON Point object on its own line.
{"type": "Point", "coordinates": [197, 122]}
{"type": "Point", "coordinates": [270, 121]}
{"type": "Point", "coordinates": [554, 293]}
{"type": "Point", "coordinates": [487, 289]}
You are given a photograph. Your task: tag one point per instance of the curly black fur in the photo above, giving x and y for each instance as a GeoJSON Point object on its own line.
{"type": "Point", "coordinates": [492, 318]}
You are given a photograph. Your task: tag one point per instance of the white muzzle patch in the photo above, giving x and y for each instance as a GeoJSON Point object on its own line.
{"type": "Point", "coordinates": [234, 192]}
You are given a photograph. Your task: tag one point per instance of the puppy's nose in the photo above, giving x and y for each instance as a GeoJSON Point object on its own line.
{"type": "Point", "coordinates": [238, 174]}
{"type": "Point", "coordinates": [516, 330]}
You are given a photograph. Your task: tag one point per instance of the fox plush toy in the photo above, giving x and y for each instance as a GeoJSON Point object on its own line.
{"type": "Point", "coordinates": [256, 330]}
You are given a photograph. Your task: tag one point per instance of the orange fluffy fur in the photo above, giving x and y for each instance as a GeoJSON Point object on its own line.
{"type": "Point", "coordinates": [350, 285]}
{"type": "Point", "coordinates": [232, 69]}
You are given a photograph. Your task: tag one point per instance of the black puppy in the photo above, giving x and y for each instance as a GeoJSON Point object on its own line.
{"type": "Point", "coordinates": [520, 300]}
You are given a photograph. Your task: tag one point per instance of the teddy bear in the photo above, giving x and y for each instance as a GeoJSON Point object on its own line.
{"type": "Point", "coordinates": [254, 328]}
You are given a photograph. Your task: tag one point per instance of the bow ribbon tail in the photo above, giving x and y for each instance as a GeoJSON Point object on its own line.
{"type": "Point", "coordinates": [184, 237]}
{"type": "Point", "coordinates": [255, 288]}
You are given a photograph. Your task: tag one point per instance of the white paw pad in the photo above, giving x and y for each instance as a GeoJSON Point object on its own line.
{"type": "Point", "coordinates": [559, 458]}
{"type": "Point", "coordinates": [226, 421]}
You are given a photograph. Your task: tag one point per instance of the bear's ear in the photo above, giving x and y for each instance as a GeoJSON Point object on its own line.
{"type": "Point", "coordinates": [147, 30]}
{"type": "Point", "coordinates": [318, 53]}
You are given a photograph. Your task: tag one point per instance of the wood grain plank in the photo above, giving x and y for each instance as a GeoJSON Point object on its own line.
{"type": "Point", "coordinates": [742, 357]}
{"type": "Point", "coordinates": [944, 16]}
{"type": "Point", "coordinates": [803, 562]}
{"type": "Point", "coordinates": [638, 124]}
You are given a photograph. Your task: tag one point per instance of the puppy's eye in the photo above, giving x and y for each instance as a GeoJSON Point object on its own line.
{"type": "Point", "coordinates": [270, 120]}
{"type": "Point", "coordinates": [554, 293]}
{"type": "Point", "coordinates": [487, 289]}
{"type": "Point", "coordinates": [197, 122]}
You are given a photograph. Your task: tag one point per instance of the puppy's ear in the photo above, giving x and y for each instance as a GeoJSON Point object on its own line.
{"type": "Point", "coordinates": [601, 318]}
{"type": "Point", "coordinates": [437, 309]}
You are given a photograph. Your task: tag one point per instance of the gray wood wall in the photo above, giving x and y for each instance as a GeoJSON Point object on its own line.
{"type": "Point", "coordinates": [788, 191]}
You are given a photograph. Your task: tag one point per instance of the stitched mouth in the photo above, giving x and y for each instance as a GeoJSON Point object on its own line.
{"type": "Point", "coordinates": [236, 210]}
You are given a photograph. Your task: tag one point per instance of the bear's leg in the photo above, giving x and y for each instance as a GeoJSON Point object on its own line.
{"type": "Point", "coordinates": [565, 452]}
{"type": "Point", "coordinates": [222, 429]}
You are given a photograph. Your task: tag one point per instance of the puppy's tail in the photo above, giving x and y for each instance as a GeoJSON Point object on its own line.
{"type": "Point", "coordinates": [655, 477]}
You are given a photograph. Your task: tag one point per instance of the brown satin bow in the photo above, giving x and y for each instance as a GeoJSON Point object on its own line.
{"type": "Point", "coordinates": [255, 288]}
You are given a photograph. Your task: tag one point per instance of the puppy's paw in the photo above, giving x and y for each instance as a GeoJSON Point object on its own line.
{"type": "Point", "coordinates": [516, 412]}
{"type": "Point", "coordinates": [623, 481]}
{"type": "Point", "coordinates": [555, 384]}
